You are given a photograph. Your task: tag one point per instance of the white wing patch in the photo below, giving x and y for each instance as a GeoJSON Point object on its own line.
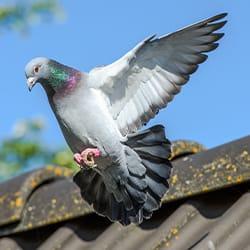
{"type": "Point", "coordinates": [143, 81]}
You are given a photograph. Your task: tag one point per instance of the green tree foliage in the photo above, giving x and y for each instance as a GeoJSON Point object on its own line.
{"type": "Point", "coordinates": [24, 150]}
{"type": "Point", "coordinates": [20, 14]}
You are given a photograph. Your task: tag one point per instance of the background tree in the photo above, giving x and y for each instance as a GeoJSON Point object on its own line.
{"type": "Point", "coordinates": [20, 15]}
{"type": "Point", "coordinates": [24, 150]}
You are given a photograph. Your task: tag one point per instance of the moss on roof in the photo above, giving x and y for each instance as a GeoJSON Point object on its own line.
{"type": "Point", "coordinates": [49, 195]}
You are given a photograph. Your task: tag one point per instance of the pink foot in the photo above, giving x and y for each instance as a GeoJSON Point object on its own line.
{"type": "Point", "coordinates": [78, 158]}
{"type": "Point", "coordinates": [86, 157]}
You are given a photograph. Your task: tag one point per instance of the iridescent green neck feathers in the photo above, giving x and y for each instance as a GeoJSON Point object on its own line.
{"type": "Point", "coordinates": [62, 77]}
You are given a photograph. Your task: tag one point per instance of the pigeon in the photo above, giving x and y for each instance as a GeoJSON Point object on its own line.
{"type": "Point", "coordinates": [124, 171]}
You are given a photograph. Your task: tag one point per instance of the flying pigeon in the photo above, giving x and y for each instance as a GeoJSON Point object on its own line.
{"type": "Point", "coordinates": [124, 172]}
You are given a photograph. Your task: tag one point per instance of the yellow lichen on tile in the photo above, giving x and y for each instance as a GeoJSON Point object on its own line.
{"type": "Point", "coordinates": [174, 231]}
{"type": "Point", "coordinates": [76, 201]}
{"type": "Point", "coordinates": [12, 204]}
{"type": "Point", "coordinates": [30, 208]}
{"type": "Point", "coordinates": [19, 202]}
{"type": "Point", "coordinates": [53, 201]}
{"type": "Point", "coordinates": [174, 179]}
{"type": "Point", "coordinates": [244, 154]}
{"type": "Point", "coordinates": [49, 167]}
{"type": "Point", "coordinates": [239, 178]}
{"type": "Point", "coordinates": [33, 183]}
{"type": "Point", "coordinates": [29, 225]}
{"type": "Point", "coordinates": [14, 217]}
{"type": "Point", "coordinates": [2, 198]}
{"type": "Point", "coordinates": [58, 171]}
{"type": "Point", "coordinates": [213, 167]}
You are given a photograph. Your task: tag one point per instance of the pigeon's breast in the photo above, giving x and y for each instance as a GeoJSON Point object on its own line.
{"type": "Point", "coordinates": [74, 132]}
{"type": "Point", "coordinates": [85, 123]}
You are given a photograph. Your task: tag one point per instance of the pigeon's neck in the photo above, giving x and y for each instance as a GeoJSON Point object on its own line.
{"type": "Point", "coordinates": [63, 79]}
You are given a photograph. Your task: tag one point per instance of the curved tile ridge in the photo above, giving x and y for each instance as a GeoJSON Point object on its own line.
{"type": "Point", "coordinates": [209, 170]}
{"type": "Point", "coordinates": [182, 148]}
{"type": "Point", "coordinates": [14, 193]}
{"type": "Point", "coordinates": [45, 199]}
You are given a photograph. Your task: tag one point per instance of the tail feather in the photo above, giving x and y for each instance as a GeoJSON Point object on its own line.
{"type": "Point", "coordinates": [140, 194]}
{"type": "Point", "coordinates": [101, 197]}
{"type": "Point", "coordinates": [137, 184]}
{"type": "Point", "coordinates": [151, 205]}
{"type": "Point", "coordinates": [157, 168]}
{"type": "Point", "coordinates": [134, 165]}
{"type": "Point", "coordinates": [154, 150]}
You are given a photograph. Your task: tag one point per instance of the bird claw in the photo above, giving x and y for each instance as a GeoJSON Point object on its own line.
{"type": "Point", "coordinates": [86, 157]}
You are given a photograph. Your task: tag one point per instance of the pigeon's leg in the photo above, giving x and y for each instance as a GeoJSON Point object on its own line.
{"type": "Point", "coordinates": [88, 155]}
{"type": "Point", "coordinates": [78, 159]}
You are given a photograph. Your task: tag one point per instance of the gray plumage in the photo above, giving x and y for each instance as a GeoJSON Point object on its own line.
{"type": "Point", "coordinates": [105, 108]}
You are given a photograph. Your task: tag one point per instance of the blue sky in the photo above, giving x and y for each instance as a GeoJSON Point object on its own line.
{"type": "Point", "coordinates": [212, 108]}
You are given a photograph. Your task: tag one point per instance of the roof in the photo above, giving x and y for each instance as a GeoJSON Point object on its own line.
{"type": "Point", "coordinates": [207, 207]}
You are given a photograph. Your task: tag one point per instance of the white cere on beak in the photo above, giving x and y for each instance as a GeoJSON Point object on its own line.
{"type": "Point", "coordinates": [31, 81]}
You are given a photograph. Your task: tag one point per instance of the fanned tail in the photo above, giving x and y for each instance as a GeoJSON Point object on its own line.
{"type": "Point", "coordinates": [149, 169]}
{"type": "Point", "coordinates": [154, 150]}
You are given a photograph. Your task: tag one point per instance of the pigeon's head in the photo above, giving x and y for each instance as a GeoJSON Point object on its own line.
{"type": "Point", "coordinates": [37, 70]}
{"type": "Point", "coordinates": [51, 74]}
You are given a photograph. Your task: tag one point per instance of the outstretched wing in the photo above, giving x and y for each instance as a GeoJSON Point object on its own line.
{"type": "Point", "coordinates": [143, 81]}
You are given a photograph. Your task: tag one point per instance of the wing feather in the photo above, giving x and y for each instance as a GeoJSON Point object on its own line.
{"type": "Point", "coordinates": [146, 79]}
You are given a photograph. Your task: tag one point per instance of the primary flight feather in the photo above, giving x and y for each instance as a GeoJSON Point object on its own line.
{"type": "Point", "coordinates": [124, 172]}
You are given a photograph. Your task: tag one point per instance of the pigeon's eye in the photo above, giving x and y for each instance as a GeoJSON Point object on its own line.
{"type": "Point", "coordinates": [36, 69]}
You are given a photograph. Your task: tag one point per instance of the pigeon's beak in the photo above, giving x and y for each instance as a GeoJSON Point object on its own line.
{"type": "Point", "coordinates": [31, 81]}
